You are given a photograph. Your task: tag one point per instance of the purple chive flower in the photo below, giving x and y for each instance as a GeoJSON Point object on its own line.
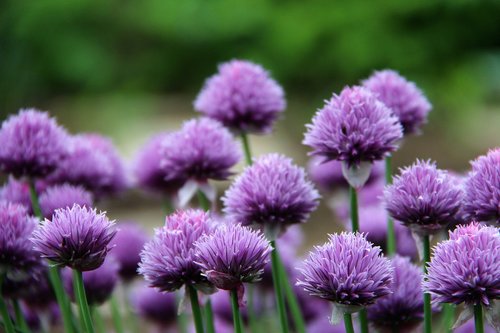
{"type": "Point", "coordinates": [328, 175]}
{"type": "Point", "coordinates": [348, 271]}
{"type": "Point", "coordinates": [232, 255]}
{"type": "Point", "coordinates": [272, 193]}
{"type": "Point", "coordinates": [39, 293]}
{"type": "Point", "coordinates": [77, 237]}
{"type": "Point", "coordinates": [482, 189]}
{"type": "Point", "coordinates": [402, 310]}
{"type": "Point", "coordinates": [93, 163]}
{"type": "Point", "coordinates": [148, 171]}
{"type": "Point", "coordinates": [63, 196]}
{"type": "Point", "coordinates": [99, 284]}
{"type": "Point", "coordinates": [423, 198]}
{"type": "Point", "coordinates": [16, 192]}
{"type": "Point", "coordinates": [129, 242]}
{"type": "Point", "coordinates": [167, 261]}
{"type": "Point", "coordinates": [243, 97]}
{"type": "Point", "coordinates": [403, 97]}
{"type": "Point", "coordinates": [157, 307]}
{"type": "Point", "coordinates": [354, 128]}
{"type": "Point", "coordinates": [466, 268]}
{"type": "Point", "coordinates": [33, 144]}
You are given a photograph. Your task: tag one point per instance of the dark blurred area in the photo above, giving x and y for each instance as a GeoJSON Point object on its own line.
{"type": "Point", "coordinates": [128, 69]}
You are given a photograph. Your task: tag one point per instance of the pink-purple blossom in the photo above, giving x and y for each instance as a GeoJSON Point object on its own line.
{"type": "Point", "coordinates": [128, 244]}
{"type": "Point", "coordinates": [64, 196]}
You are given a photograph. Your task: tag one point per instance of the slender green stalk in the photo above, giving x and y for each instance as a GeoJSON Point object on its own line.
{"type": "Point", "coordinates": [252, 319]}
{"type": "Point", "coordinates": [292, 301]}
{"type": "Point", "coordinates": [427, 296]}
{"type": "Point", "coordinates": [478, 318]}
{"type": "Point", "coordinates": [353, 196]}
{"type": "Point", "coordinates": [238, 327]}
{"type": "Point", "coordinates": [391, 234]}
{"type": "Point", "coordinates": [363, 320]}
{"type": "Point", "coordinates": [246, 148]}
{"type": "Point", "coordinates": [54, 276]}
{"type": "Point", "coordinates": [116, 315]}
{"type": "Point", "coordinates": [209, 316]}
{"type": "Point", "coordinates": [203, 201]}
{"type": "Point", "coordinates": [97, 318]}
{"type": "Point", "coordinates": [448, 317]}
{"type": "Point", "coordinates": [349, 328]}
{"type": "Point", "coordinates": [7, 322]}
{"type": "Point", "coordinates": [182, 322]}
{"type": "Point", "coordinates": [81, 298]}
{"type": "Point", "coordinates": [20, 320]}
{"type": "Point", "coordinates": [280, 301]}
{"type": "Point", "coordinates": [195, 307]}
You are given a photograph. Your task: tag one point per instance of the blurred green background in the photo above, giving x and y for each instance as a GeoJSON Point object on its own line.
{"type": "Point", "coordinates": [131, 68]}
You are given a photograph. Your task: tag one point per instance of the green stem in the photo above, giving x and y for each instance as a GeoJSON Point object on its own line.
{"type": "Point", "coordinates": [236, 312]}
{"type": "Point", "coordinates": [209, 317]}
{"type": "Point", "coordinates": [97, 318]}
{"type": "Point", "coordinates": [391, 234]}
{"type": "Point", "coordinates": [116, 315]}
{"type": "Point", "coordinates": [448, 317]}
{"type": "Point", "coordinates": [277, 288]}
{"type": "Point", "coordinates": [427, 296]}
{"type": "Point", "coordinates": [291, 298]}
{"type": "Point", "coordinates": [7, 322]}
{"type": "Point", "coordinates": [252, 319]}
{"type": "Point", "coordinates": [195, 307]}
{"type": "Point", "coordinates": [363, 320]}
{"type": "Point", "coordinates": [349, 328]}
{"type": "Point", "coordinates": [203, 201]}
{"type": "Point", "coordinates": [20, 320]}
{"type": "Point", "coordinates": [246, 148]}
{"type": "Point", "coordinates": [81, 298]}
{"type": "Point", "coordinates": [478, 318]}
{"type": "Point", "coordinates": [182, 322]}
{"type": "Point", "coordinates": [353, 196]}
{"type": "Point", "coordinates": [34, 199]}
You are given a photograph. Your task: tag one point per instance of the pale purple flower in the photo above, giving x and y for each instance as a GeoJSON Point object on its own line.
{"type": "Point", "coordinates": [167, 261]}
{"type": "Point", "coordinates": [232, 255]}
{"type": "Point", "coordinates": [348, 271]}
{"type": "Point", "coordinates": [403, 309]}
{"type": "Point", "coordinates": [353, 127]}
{"type": "Point", "coordinates": [128, 244]}
{"type": "Point", "coordinates": [99, 283]}
{"type": "Point", "coordinates": [466, 268]}
{"type": "Point", "coordinates": [403, 97]}
{"type": "Point", "coordinates": [77, 237]}
{"type": "Point", "coordinates": [424, 198]}
{"type": "Point", "coordinates": [64, 196]}
{"type": "Point", "coordinates": [243, 97]}
{"type": "Point", "coordinates": [157, 307]}
{"type": "Point", "coordinates": [272, 193]}
{"type": "Point", "coordinates": [33, 144]}
{"type": "Point", "coordinates": [16, 191]}
{"type": "Point", "coordinates": [482, 189]}
{"type": "Point", "coordinates": [93, 163]}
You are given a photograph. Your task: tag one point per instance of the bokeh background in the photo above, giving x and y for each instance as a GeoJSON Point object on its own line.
{"type": "Point", "coordinates": [128, 69]}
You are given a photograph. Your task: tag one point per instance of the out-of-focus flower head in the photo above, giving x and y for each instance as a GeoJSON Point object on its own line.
{"type": "Point", "coordinates": [128, 244]}
{"type": "Point", "coordinates": [64, 196]}
{"type": "Point", "coordinates": [155, 306]}
{"type": "Point", "coordinates": [18, 192]}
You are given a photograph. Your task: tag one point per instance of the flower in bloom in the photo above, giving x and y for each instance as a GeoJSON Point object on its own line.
{"type": "Point", "coordinates": [77, 237]}
{"type": "Point", "coordinates": [232, 255]}
{"type": "Point", "coordinates": [63, 196]}
{"type": "Point", "coordinates": [148, 171]}
{"type": "Point", "coordinates": [93, 163]}
{"type": "Point", "coordinates": [402, 310]}
{"type": "Point", "coordinates": [16, 191]}
{"type": "Point", "coordinates": [160, 308]}
{"type": "Point", "coordinates": [272, 193]}
{"type": "Point", "coordinates": [129, 242]}
{"type": "Point", "coordinates": [466, 268]}
{"type": "Point", "coordinates": [243, 97]}
{"type": "Point", "coordinates": [348, 271]}
{"type": "Point", "coordinates": [33, 144]}
{"type": "Point", "coordinates": [403, 97]}
{"type": "Point", "coordinates": [482, 189]}
{"type": "Point", "coordinates": [99, 284]}
{"type": "Point", "coordinates": [167, 261]}
{"type": "Point", "coordinates": [353, 127]}
{"type": "Point", "coordinates": [423, 198]}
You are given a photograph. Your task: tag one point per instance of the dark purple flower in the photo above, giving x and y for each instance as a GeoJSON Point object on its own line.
{"type": "Point", "coordinates": [232, 255]}
{"type": "Point", "coordinates": [403, 97]}
{"type": "Point", "coordinates": [99, 283]}
{"type": "Point", "coordinates": [16, 191]}
{"type": "Point", "coordinates": [148, 171]}
{"type": "Point", "coordinates": [63, 196]}
{"type": "Point", "coordinates": [77, 237]}
{"type": "Point", "coordinates": [348, 271]}
{"type": "Point", "coordinates": [93, 163]}
{"type": "Point", "coordinates": [355, 128]}
{"type": "Point", "coordinates": [160, 308]}
{"type": "Point", "coordinates": [167, 261]}
{"type": "Point", "coordinates": [39, 293]}
{"type": "Point", "coordinates": [402, 310]}
{"type": "Point", "coordinates": [466, 268]}
{"type": "Point", "coordinates": [33, 144]}
{"type": "Point", "coordinates": [272, 193]}
{"type": "Point", "coordinates": [482, 189]}
{"type": "Point", "coordinates": [243, 97]}
{"type": "Point", "coordinates": [129, 242]}
{"type": "Point", "coordinates": [423, 198]}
